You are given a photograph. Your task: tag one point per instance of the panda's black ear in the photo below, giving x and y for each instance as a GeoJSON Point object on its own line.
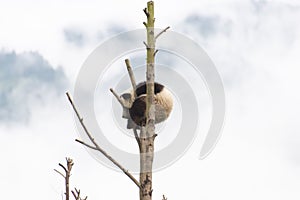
{"type": "Point", "coordinates": [126, 96]}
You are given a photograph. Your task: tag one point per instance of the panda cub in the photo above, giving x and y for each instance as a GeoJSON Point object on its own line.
{"type": "Point", "coordinates": [163, 104]}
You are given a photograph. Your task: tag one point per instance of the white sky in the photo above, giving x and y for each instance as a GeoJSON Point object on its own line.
{"type": "Point", "coordinates": [255, 46]}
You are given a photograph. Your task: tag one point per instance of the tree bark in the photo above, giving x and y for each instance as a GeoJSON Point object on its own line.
{"type": "Point", "coordinates": [147, 133]}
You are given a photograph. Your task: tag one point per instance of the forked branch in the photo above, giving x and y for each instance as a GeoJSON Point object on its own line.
{"type": "Point", "coordinates": [77, 196]}
{"type": "Point", "coordinates": [96, 146]}
{"type": "Point", "coordinates": [124, 102]}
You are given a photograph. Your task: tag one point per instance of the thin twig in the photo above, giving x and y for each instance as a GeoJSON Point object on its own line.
{"type": "Point", "coordinates": [60, 173]}
{"type": "Point", "coordinates": [155, 52]}
{"type": "Point", "coordinates": [97, 146]}
{"type": "Point", "coordinates": [159, 34]}
{"type": "Point", "coordinates": [63, 167]}
{"type": "Point", "coordinates": [87, 145]}
{"type": "Point", "coordinates": [146, 12]}
{"type": "Point", "coordinates": [77, 195]}
{"type": "Point", "coordinates": [131, 76]}
{"type": "Point", "coordinates": [164, 198]}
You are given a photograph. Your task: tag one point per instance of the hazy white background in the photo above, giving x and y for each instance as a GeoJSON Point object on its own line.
{"type": "Point", "coordinates": [255, 46]}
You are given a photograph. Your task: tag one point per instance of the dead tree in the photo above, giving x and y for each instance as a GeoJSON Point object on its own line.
{"type": "Point", "coordinates": [146, 136]}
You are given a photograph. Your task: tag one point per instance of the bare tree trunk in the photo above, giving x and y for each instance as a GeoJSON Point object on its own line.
{"type": "Point", "coordinates": [147, 134]}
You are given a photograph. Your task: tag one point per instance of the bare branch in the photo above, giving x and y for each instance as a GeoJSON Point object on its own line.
{"type": "Point", "coordinates": [59, 173]}
{"type": "Point", "coordinates": [97, 146]}
{"type": "Point", "coordinates": [164, 198]}
{"type": "Point", "coordinates": [155, 52]}
{"type": "Point", "coordinates": [160, 33]}
{"type": "Point", "coordinates": [131, 76]}
{"type": "Point", "coordinates": [117, 97]}
{"type": "Point", "coordinates": [77, 195]}
{"type": "Point", "coordinates": [65, 169]}
{"type": "Point", "coordinates": [85, 144]}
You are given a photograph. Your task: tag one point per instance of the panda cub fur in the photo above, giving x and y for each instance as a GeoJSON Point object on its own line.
{"type": "Point", "coordinates": [163, 104]}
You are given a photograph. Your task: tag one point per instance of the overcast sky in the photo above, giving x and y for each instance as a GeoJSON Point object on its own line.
{"type": "Point", "coordinates": [255, 46]}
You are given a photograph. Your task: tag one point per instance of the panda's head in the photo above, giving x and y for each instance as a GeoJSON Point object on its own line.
{"type": "Point", "coordinates": [135, 108]}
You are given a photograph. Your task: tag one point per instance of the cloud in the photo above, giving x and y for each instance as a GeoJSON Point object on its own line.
{"type": "Point", "coordinates": [111, 30]}
{"type": "Point", "coordinates": [258, 4]}
{"type": "Point", "coordinates": [81, 36]}
{"type": "Point", "coordinates": [207, 25]}
{"type": "Point", "coordinates": [74, 36]}
{"type": "Point", "coordinates": [26, 79]}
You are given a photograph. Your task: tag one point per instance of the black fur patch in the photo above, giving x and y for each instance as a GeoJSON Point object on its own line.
{"type": "Point", "coordinates": [138, 111]}
{"type": "Point", "coordinates": [141, 88]}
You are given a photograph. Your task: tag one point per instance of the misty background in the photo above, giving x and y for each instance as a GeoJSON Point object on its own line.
{"type": "Point", "coordinates": [255, 46]}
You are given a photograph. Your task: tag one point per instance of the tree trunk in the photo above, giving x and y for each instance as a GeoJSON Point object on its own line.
{"type": "Point", "coordinates": [147, 134]}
